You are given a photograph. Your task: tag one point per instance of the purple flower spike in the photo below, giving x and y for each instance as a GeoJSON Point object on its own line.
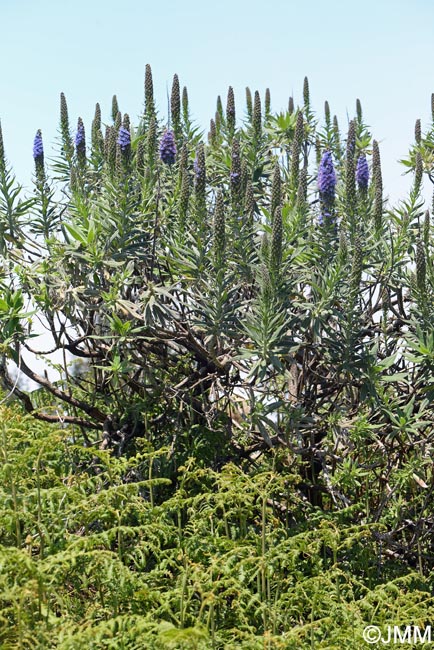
{"type": "Point", "coordinates": [362, 172]}
{"type": "Point", "coordinates": [38, 147]}
{"type": "Point", "coordinates": [327, 177]}
{"type": "Point", "coordinates": [79, 136]}
{"type": "Point", "coordinates": [124, 138]}
{"type": "Point", "coordinates": [168, 148]}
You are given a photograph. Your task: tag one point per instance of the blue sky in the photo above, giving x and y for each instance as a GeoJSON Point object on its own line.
{"type": "Point", "coordinates": [380, 51]}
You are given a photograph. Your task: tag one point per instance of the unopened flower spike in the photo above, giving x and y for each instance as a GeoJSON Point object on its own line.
{"type": "Point", "coordinates": [149, 90]}
{"type": "Point", "coordinates": [115, 107]}
{"type": "Point", "coordinates": [230, 111]}
{"type": "Point", "coordinates": [175, 106]}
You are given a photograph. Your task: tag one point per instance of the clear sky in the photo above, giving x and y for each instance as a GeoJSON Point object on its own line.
{"type": "Point", "coordinates": [381, 51]}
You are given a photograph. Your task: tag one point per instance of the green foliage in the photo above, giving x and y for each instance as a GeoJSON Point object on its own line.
{"type": "Point", "coordinates": [246, 386]}
{"type": "Point", "coordinates": [98, 552]}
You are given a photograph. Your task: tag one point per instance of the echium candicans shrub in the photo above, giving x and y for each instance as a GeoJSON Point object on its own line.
{"type": "Point", "coordinates": [263, 267]}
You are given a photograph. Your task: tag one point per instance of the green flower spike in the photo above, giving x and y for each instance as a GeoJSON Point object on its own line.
{"type": "Point", "coordinates": [249, 103]}
{"type": "Point", "coordinates": [67, 146]}
{"type": "Point", "coordinates": [230, 112]}
{"type": "Point", "coordinates": [417, 132]}
{"type": "Point", "coordinates": [359, 112]}
{"type": "Point", "coordinates": [306, 93]}
{"type": "Point", "coordinates": [267, 102]}
{"type": "Point", "coordinates": [297, 144]}
{"type": "Point", "coordinates": [212, 135]}
{"type": "Point", "coordinates": [185, 112]}
{"type": "Point", "coordinates": [426, 229]}
{"type": "Point", "coordinates": [327, 114]}
{"type": "Point", "coordinates": [257, 117]}
{"type": "Point", "coordinates": [115, 107]}
{"type": "Point", "coordinates": [149, 91]}
{"type": "Point", "coordinates": [418, 173]}
{"type": "Point", "coordinates": [291, 105]}
{"type": "Point", "coordinates": [175, 106]}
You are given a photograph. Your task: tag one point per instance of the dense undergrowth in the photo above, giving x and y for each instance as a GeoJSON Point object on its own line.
{"type": "Point", "coordinates": [105, 552]}
{"type": "Point", "coordinates": [236, 450]}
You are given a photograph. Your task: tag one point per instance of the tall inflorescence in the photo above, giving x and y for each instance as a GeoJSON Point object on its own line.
{"type": "Point", "coordinates": [326, 187]}
{"type": "Point", "coordinates": [359, 112]}
{"type": "Point", "coordinates": [291, 105]}
{"type": "Point", "coordinates": [175, 107]}
{"type": "Point", "coordinates": [267, 103]}
{"type": "Point", "coordinates": [149, 92]}
{"type": "Point", "coordinates": [362, 176]}
{"type": "Point", "coordinates": [219, 231]}
{"type": "Point", "coordinates": [350, 172]}
{"type": "Point", "coordinates": [327, 116]}
{"type": "Point", "coordinates": [97, 141]}
{"type": "Point", "coordinates": [377, 180]}
{"type": "Point", "coordinates": [418, 174]}
{"type": "Point", "coordinates": [276, 190]}
{"type": "Point", "coordinates": [168, 147]}
{"type": "Point", "coordinates": [67, 147]}
{"type": "Point", "coordinates": [185, 110]}
{"type": "Point", "coordinates": [124, 143]}
{"type": "Point", "coordinates": [110, 148]}
{"type": "Point", "coordinates": [306, 95]}
{"type": "Point", "coordinates": [235, 176]}
{"type": "Point", "coordinates": [200, 183]}
{"type": "Point", "coordinates": [212, 134]}
{"type": "Point", "coordinates": [249, 103]}
{"type": "Point", "coordinates": [115, 107]}
{"type": "Point", "coordinates": [38, 157]}
{"type": "Point", "coordinates": [418, 132]}
{"type": "Point", "coordinates": [297, 144]}
{"type": "Point", "coordinates": [257, 118]}
{"type": "Point", "coordinates": [80, 144]}
{"type": "Point", "coordinates": [219, 117]}
{"type": "Point", "coordinates": [230, 112]}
